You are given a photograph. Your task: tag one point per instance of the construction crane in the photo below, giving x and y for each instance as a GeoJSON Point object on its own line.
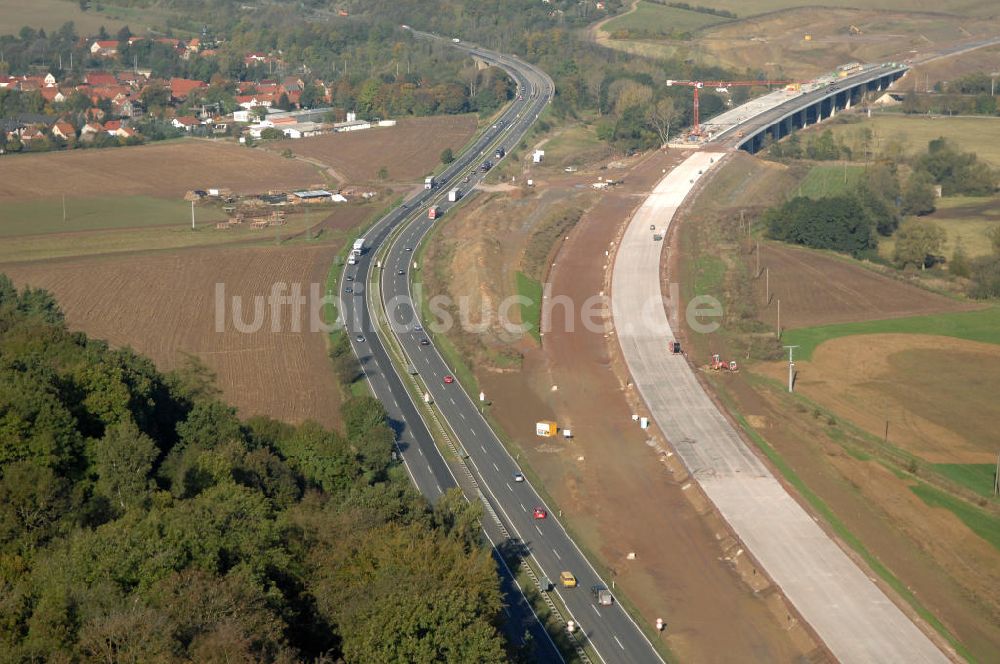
{"type": "Point", "coordinates": [723, 86]}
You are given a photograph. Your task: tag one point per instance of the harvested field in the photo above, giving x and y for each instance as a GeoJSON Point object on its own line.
{"type": "Point", "coordinates": [160, 170]}
{"type": "Point", "coordinates": [50, 15]}
{"type": "Point", "coordinates": [820, 289]}
{"type": "Point", "coordinates": [164, 305]}
{"type": "Point", "coordinates": [965, 220]}
{"type": "Point", "coordinates": [409, 151]}
{"type": "Point", "coordinates": [938, 393]}
{"type": "Point", "coordinates": [980, 134]}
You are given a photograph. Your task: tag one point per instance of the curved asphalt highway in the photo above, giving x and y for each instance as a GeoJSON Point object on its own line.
{"type": "Point", "coordinates": [609, 629]}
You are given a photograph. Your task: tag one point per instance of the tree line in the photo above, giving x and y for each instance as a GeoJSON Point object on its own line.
{"type": "Point", "coordinates": [142, 520]}
{"type": "Point", "coordinates": [852, 222]}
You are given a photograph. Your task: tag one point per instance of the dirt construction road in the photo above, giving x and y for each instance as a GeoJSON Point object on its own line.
{"type": "Point", "coordinates": [611, 480]}
{"type": "Point", "coordinates": [855, 619]}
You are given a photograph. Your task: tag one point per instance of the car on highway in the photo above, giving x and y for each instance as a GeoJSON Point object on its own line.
{"type": "Point", "coordinates": [350, 277]}
{"type": "Point", "coordinates": [348, 290]}
{"type": "Point", "coordinates": [539, 513]}
{"type": "Point", "coordinates": [360, 338]}
{"type": "Point", "coordinates": [448, 380]}
{"type": "Point", "coordinates": [567, 579]}
{"type": "Point", "coordinates": [518, 477]}
{"type": "Point", "coordinates": [400, 272]}
{"type": "Point", "coordinates": [417, 327]}
{"type": "Point", "coordinates": [425, 342]}
{"type": "Point", "coordinates": [409, 248]}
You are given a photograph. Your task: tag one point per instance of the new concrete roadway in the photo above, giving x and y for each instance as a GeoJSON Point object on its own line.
{"type": "Point", "coordinates": [852, 616]}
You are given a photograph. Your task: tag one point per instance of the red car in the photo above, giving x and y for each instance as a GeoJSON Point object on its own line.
{"type": "Point", "coordinates": [448, 380]}
{"type": "Point", "coordinates": [540, 513]}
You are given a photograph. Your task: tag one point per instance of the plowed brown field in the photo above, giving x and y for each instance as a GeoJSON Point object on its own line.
{"type": "Point", "coordinates": [163, 305]}
{"type": "Point", "coordinates": [817, 289]}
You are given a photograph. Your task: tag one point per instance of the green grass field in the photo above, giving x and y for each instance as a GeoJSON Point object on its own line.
{"type": "Point", "coordinates": [965, 220]}
{"type": "Point", "coordinates": [45, 216]}
{"type": "Point", "coordinates": [830, 180]}
{"type": "Point", "coordinates": [979, 135]}
{"type": "Point", "coordinates": [650, 17]}
{"type": "Point", "coordinates": [531, 314]}
{"type": "Point", "coordinates": [980, 325]}
{"type": "Point", "coordinates": [573, 146]}
{"type": "Point", "coordinates": [978, 521]}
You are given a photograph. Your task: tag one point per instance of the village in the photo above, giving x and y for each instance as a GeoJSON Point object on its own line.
{"type": "Point", "coordinates": [128, 105]}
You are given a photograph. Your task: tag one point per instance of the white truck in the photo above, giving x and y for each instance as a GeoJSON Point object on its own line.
{"type": "Point", "coordinates": [454, 195]}
{"type": "Point", "coordinates": [429, 182]}
{"type": "Point", "coordinates": [356, 251]}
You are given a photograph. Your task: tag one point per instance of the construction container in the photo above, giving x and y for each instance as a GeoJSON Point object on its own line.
{"type": "Point", "coordinates": [546, 429]}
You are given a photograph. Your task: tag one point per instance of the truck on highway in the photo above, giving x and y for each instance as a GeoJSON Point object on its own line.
{"type": "Point", "coordinates": [602, 595]}
{"type": "Point", "coordinates": [356, 250]}
{"type": "Point", "coordinates": [500, 153]}
{"type": "Point", "coordinates": [454, 195]}
{"type": "Point", "coordinates": [429, 182]}
{"type": "Point", "coordinates": [486, 165]}
{"type": "Point", "coordinates": [433, 212]}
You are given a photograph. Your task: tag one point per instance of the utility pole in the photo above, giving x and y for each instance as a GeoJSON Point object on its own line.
{"type": "Point", "coordinates": [757, 251]}
{"type": "Point", "coordinates": [779, 317]}
{"type": "Point", "coordinates": [64, 208]}
{"type": "Point", "coordinates": [996, 477]}
{"type": "Point", "coordinates": [767, 286]}
{"type": "Point", "coordinates": [791, 368]}
{"type": "Point", "coordinates": [192, 215]}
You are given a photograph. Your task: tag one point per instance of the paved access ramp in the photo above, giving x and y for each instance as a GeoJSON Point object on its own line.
{"type": "Point", "coordinates": [852, 616]}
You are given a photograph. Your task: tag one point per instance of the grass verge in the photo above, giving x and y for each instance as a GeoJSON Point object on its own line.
{"type": "Point", "coordinates": [977, 477]}
{"type": "Point", "coordinates": [979, 522]}
{"type": "Point", "coordinates": [531, 313]}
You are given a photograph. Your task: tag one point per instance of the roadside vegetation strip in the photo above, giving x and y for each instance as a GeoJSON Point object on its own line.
{"type": "Point", "coordinates": [984, 525]}
{"type": "Point", "coordinates": [845, 534]}
{"type": "Point", "coordinates": [981, 325]}
{"type": "Point", "coordinates": [977, 477]}
{"type": "Point", "coordinates": [531, 313]}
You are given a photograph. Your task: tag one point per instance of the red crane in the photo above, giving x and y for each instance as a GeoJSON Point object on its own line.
{"type": "Point", "coordinates": [698, 85]}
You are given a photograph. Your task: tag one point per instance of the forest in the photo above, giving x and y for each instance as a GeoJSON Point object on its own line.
{"type": "Point", "coordinates": [142, 521]}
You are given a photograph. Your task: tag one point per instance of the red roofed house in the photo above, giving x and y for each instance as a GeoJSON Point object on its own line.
{"type": "Point", "coordinates": [112, 126]}
{"type": "Point", "coordinates": [63, 129]}
{"type": "Point", "coordinates": [181, 88]}
{"type": "Point", "coordinates": [105, 49]}
{"type": "Point", "coordinates": [100, 78]}
{"type": "Point", "coordinates": [53, 95]}
{"type": "Point", "coordinates": [186, 122]}
{"type": "Point", "coordinates": [126, 132]}
{"type": "Point", "coordinates": [91, 129]}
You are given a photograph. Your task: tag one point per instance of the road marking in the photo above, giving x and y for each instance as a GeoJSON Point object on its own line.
{"type": "Point", "coordinates": [557, 554]}
{"type": "Point", "coordinates": [509, 486]}
{"type": "Point", "coordinates": [483, 449]}
{"type": "Point", "coordinates": [475, 433]}
{"type": "Point", "coordinates": [462, 415]}
{"type": "Point", "coordinates": [436, 484]}
{"type": "Point", "coordinates": [523, 508]}
{"type": "Point", "coordinates": [421, 451]}
{"type": "Point", "coordinates": [538, 529]}
{"type": "Point", "coordinates": [452, 400]}
{"type": "Point", "coordinates": [497, 468]}
{"type": "Point", "coordinates": [619, 643]}
{"type": "Point", "coordinates": [597, 612]}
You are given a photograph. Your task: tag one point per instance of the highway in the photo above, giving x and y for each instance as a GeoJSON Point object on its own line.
{"type": "Point", "coordinates": [414, 442]}
{"type": "Point", "coordinates": [609, 629]}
